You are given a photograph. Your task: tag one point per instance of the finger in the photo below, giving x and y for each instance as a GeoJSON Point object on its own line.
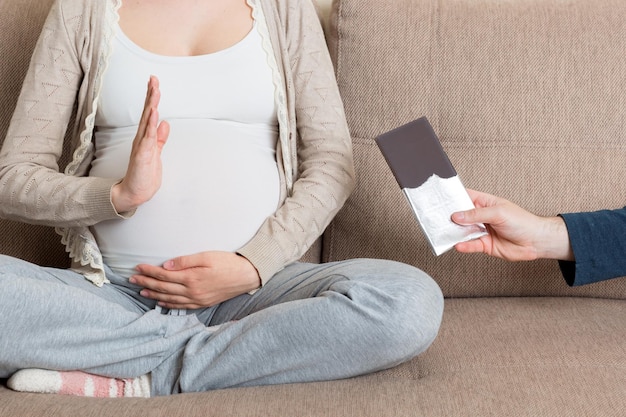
{"type": "Point", "coordinates": [460, 217]}
{"type": "Point", "coordinates": [151, 272]}
{"type": "Point", "coordinates": [471, 246]}
{"type": "Point", "coordinates": [151, 127]}
{"type": "Point", "coordinates": [488, 215]}
{"type": "Point", "coordinates": [145, 113]}
{"type": "Point", "coordinates": [466, 217]}
{"type": "Point", "coordinates": [163, 133]}
{"type": "Point", "coordinates": [188, 261]}
{"type": "Point", "coordinates": [472, 193]}
{"type": "Point", "coordinates": [167, 300]}
{"type": "Point", "coordinates": [481, 199]}
{"type": "Point", "coordinates": [152, 287]}
{"type": "Point", "coordinates": [153, 96]}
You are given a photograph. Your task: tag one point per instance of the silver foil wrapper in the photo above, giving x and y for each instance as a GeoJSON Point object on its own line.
{"type": "Point", "coordinates": [433, 203]}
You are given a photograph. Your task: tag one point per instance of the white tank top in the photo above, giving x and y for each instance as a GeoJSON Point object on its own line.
{"type": "Point", "coordinates": [220, 177]}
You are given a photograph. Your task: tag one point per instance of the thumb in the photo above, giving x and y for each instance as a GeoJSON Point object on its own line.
{"type": "Point", "coordinates": [464, 217]}
{"type": "Point", "coordinates": [486, 215]}
{"type": "Point", "coordinates": [184, 262]}
{"type": "Point", "coordinates": [163, 132]}
{"type": "Point", "coordinates": [175, 264]}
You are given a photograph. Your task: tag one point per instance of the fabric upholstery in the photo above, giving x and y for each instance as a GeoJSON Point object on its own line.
{"type": "Point", "coordinates": [527, 98]}
{"type": "Point", "coordinates": [526, 357]}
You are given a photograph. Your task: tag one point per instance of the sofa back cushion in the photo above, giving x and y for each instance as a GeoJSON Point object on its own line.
{"type": "Point", "coordinates": [528, 98]}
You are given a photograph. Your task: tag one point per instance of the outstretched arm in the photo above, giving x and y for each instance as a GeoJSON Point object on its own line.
{"type": "Point", "coordinates": [590, 246]}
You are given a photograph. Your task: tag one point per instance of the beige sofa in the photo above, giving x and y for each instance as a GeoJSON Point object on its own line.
{"type": "Point", "coordinates": [529, 100]}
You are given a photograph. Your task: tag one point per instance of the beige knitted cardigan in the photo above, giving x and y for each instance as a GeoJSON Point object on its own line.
{"type": "Point", "coordinates": [314, 151]}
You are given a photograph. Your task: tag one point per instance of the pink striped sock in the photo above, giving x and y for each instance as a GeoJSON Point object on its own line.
{"type": "Point", "coordinates": [78, 383]}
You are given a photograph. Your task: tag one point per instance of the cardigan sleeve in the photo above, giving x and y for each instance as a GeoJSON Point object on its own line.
{"type": "Point", "coordinates": [325, 171]}
{"type": "Point", "coordinates": [598, 240]}
{"type": "Point", "coordinates": [32, 188]}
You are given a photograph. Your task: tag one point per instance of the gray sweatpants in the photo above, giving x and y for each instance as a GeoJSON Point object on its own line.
{"type": "Point", "coordinates": [308, 323]}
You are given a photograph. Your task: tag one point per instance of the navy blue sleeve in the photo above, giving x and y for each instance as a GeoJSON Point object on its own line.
{"type": "Point", "coordinates": [598, 240]}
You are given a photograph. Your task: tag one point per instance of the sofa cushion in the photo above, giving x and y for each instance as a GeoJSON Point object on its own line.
{"type": "Point", "coordinates": [524, 357]}
{"type": "Point", "coordinates": [528, 100]}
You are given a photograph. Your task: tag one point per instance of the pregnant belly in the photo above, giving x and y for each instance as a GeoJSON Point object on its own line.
{"type": "Point", "coordinates": [217, 190]}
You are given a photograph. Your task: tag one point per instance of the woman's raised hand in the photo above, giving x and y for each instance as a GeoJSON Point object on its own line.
{"type": "Point", "coordinates": [143, 176]}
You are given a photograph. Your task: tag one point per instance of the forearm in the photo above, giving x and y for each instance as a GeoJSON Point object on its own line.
{"type": "Point", "coordinates": [33, 190]}
{"type": "Point", "coordinates": [39, 196]}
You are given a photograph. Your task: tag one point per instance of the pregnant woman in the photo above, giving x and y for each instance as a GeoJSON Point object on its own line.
{"type": "Point", "coordinates": [185, 209]}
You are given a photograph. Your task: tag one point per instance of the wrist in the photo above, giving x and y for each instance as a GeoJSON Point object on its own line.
{"type": "Point", "coordinates": [252, 274]}
{"type": "Point", "coordinates": [554, 242]}
{"type": "Point", "coordinates": [120, 202]}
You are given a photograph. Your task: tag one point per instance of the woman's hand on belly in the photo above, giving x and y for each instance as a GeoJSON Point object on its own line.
{"type": "Point", "coordinates": [143, 176]}
{"type": "Point", "coordinates": [196, 281]}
